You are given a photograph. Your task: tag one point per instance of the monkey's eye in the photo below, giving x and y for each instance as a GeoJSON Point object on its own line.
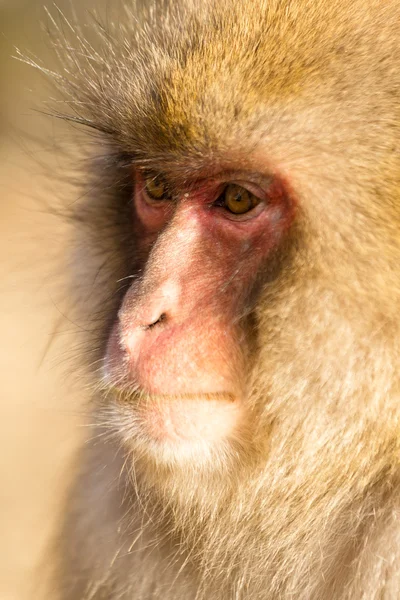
{"type": "Point", "coordinates": [237, 200]}
{"type": "Point", "coordinates": [156, 188]}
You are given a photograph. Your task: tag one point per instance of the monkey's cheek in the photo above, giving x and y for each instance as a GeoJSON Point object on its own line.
{"type": "Point", "coordinates": [115, 360]}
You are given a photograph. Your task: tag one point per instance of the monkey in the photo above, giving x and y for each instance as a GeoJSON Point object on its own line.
{"type": "Point", "coordinates": [236, 278]}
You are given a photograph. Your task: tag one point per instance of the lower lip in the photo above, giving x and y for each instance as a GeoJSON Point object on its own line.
{"type": "Point", "coordinates": [194, 418]}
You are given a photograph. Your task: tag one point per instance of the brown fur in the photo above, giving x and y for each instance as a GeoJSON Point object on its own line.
{"type": "Point", "coordinates": [307, 505]}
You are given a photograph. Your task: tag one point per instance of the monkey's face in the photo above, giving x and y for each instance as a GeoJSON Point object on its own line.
{"type": "Point", "coordinates": [178, 353]}
{"type": "Point", "coordinates": [262, 229]}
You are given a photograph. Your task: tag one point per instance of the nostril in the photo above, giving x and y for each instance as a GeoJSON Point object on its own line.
{"type": "Point", "coordinates": [160, 319]}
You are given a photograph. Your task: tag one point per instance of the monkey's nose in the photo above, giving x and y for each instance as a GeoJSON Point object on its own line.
{"type": "Point", "coordinates": [145, 310]}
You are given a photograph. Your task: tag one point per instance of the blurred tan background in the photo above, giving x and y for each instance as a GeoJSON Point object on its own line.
{"type": "Point", "coordinates": [39, 412]}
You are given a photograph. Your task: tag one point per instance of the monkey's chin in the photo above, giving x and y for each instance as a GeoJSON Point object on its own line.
{"type": "Point", "coordinates": [173, 428]}
{"type": "Point", "coordinates": [196, 418]}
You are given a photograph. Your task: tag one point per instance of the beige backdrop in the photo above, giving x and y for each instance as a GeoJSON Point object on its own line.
{"type": "Point", "coordinates": [39, 411]}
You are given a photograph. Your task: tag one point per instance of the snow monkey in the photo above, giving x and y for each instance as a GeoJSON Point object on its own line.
{"type": "Point", "coordinates": [238, 257]}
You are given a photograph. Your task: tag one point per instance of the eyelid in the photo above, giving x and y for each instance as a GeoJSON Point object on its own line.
{"type": "Point", "coordinates": [251, 187]}
{"type": "Point", "coordinates": [155, 201]}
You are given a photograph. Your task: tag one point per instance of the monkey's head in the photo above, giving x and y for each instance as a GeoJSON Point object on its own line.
{"type": "Point", "coordinates": [250, 169]}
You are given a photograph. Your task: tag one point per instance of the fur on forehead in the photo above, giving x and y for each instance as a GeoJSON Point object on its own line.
{"type": "Point", "coordinates": [189, 86]}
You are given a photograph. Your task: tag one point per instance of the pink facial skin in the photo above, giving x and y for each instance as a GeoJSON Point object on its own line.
{"type": "Point", "coordinates": [178, 334]}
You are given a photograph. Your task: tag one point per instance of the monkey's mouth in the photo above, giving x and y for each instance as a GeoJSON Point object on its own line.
{"type": "Point", "coordinates": [170, 414]}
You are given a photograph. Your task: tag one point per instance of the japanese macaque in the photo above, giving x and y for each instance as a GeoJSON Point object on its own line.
{"type": "Point", "coordinates": [238, 258]}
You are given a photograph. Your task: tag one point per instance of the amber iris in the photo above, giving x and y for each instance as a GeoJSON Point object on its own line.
{"type": "Point", "coordinates": [238, 200]}
{"type": "Point", "coordinates": [156, 187]}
